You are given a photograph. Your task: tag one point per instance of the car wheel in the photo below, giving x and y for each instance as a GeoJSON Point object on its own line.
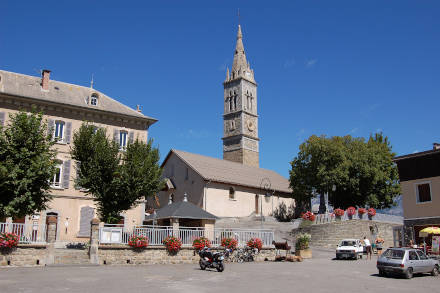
{"type": "Point", "coordinates": [382, 273]}
{"type": "Point", "coordinates": [434, 271]}
{"type": "Point", "coordinates": [409, 273]}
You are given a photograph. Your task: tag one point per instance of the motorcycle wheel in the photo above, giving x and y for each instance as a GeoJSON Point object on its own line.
{"type": "Point", "coordinates": [220, 267]}
{"type": "Point", "coordinates": [202, 265]}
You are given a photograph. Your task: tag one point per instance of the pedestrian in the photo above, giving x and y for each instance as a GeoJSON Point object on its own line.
{"type": "Point", "coordinates": [368, 247]}
{"type": "Point", "coordinates": [379, 245]}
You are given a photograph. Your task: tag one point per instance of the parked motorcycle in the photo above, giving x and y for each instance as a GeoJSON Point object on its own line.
{"type": "Point", "coordinates": [208, 259]}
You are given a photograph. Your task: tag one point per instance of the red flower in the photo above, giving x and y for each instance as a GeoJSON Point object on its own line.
{"type": "Point", "coordinates": [351, 211]}
{"type": "Point", "coordinates": [339, 212]}
{"type": "Point", "coordinates": [138, 241]}
{"type": "Point", "coordinates": [308, 216]}
{"type": "Point", "coordinates": [8, 240]}
{"type": "Point", "coordinates": [200, 242]}
{"type": "Point", "coordinates": [230, 243]}
{"type": "Point", "coordinates": [173, 244]}
{"type": "Point", "coordinates": [361, 211]}
{"type": "Point", "coordinates": [255, 243]}
{"type": "Point", "coordinates": [371, 212]}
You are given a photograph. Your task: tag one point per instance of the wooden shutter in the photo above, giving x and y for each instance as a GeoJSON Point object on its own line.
{"type": "Point", "coordinates": [424, 192]}
{"type": "Point", "coordinates": [86, 216]}
{"type": "Point", "coordinates": [2, 118]}
{"type": "Point", "coordinates": [66, 174]}
{"type": "Point", "coordinates": [68, 131]}
{"type": "Point", "coordinates": [116, 135]}
{"type": "Point", "coordinates": [131, 136]}
{"type": "Point", "coordinates": [50, 126]}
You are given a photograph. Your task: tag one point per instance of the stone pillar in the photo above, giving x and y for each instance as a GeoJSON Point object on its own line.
{"type": "Point", "coordinates": [94, 241]}
{"type": "Point", "coordinates": [51, 238]}
{"type": "Point", "coordinates": [175, 223]}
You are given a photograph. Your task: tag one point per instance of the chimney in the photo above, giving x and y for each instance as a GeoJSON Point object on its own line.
{"type": "Point", "coordinates": [45, 77]}
{"type": "Point", "coordinates": [436, 146]}
{"type": "Point", "coordinates": [139, 108]}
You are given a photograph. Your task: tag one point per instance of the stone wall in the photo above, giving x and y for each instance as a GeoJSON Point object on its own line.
{"type": "Point", "coordinates": [117, 255]}
{"type": "Point", "coordinates": [24, 255]}
{"type": "Point", "coordinates": [329, 235]}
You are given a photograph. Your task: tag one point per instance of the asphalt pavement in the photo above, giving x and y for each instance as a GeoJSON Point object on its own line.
{"type": "Point", "coordinates": [321, 274]}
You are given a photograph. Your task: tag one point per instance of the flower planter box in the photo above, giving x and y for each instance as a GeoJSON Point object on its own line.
{"type": "Point", "coordinates": [304, 253]}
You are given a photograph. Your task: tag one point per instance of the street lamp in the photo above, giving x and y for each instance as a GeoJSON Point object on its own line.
{"type": "Point", "coordinates": [264, 185]}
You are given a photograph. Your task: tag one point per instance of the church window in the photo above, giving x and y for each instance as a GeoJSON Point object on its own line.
{"type": "Point", "coordinates": [186, 174]}
{"type": "Point", "coordinates": [94, 100]}
{"type": "Point", "coordinates": [231, 193]}
{"type": "Point", "coordinates": [235, 102]}
{"type": "Point", "coordinates": [230, 104]}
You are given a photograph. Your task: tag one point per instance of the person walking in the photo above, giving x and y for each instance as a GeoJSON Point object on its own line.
{"type": "Point", "coordinates": [368, 247]}
{"type": "Point", "coordinates": [379, 245]}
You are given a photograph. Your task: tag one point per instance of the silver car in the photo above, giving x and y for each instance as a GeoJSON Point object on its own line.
{"type": "Point", "coordinates": [406, 261]}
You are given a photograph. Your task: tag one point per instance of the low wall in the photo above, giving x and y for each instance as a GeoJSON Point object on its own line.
{"type": "Point", "coordinates": [117, 255]}
{"type": "Point", "coordinates": [24, 255]}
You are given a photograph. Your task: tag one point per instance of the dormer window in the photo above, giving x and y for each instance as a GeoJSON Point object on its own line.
{"type": "Point", "coordinates": [94, 100]}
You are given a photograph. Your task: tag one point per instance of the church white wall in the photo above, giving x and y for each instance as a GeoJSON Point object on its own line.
{"type": "Point", "coordinates": [243, 205]}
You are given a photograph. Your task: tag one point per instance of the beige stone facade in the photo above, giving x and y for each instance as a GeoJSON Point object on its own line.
{"type": "Point", "coordinates": [412, 207]}
{"type": "Point", "coordinates": [65, 108]}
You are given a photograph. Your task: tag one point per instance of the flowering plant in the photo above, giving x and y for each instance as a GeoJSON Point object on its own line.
{"type": "Point", "coordinates": [339, 212]}
{"type": "Point", "coordinates": [200, 242]}
{"type": "Point", "coordinates": [230, 243]}
{"type": "Point", "coordinates": [308, 216]}
{"type": "Point", "coordinates": [371, 212]}
{"type": "Point", "coordinates": [8, 240]}
{"type": "Point", "coordinates": [351, 211]}
{"type": "Point", "coordinates": [173, 244]}
{"type": "Point", "coordinates": [362, 211]}
{"type": "Point", "coordinates": [255, 243]}
{"type": "Point", "coordinates": [138, 241]}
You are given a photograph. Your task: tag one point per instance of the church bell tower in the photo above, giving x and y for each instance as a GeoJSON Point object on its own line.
{"type": "Point", "coordinates": [240, 119]}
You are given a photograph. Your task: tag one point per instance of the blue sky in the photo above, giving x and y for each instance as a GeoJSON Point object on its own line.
{"type": "Point", "coordinates": [323, 67]}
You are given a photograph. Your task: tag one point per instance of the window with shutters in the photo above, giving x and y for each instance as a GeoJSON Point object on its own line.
{"type": "Point", "coordinates": [423, 192]}
{"type": "Point", "coordinates": [56, 179]}
{"type": "Point", "coordinates": [86, 216]}
{"type": "Point", "coordinates": [123, 139]}
{"type": "Point", "coordinates": [94, 100]}
{"type": "Point", "coordinates": [59, 131]}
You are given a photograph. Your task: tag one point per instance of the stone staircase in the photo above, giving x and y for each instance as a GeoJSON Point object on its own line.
{"type": "Point", "coordinates": [329, 235]}
{"type": "Point", "coordinates": [68, 256]}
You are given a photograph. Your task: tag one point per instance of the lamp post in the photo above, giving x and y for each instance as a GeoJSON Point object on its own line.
{"type": "Point", "coordinates": [264, 185]}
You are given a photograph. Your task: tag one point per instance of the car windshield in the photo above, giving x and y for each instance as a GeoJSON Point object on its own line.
{"type": "Point", "coordinates": [394, 253]}
{"type": "Point", "coordinates": [348, 243]}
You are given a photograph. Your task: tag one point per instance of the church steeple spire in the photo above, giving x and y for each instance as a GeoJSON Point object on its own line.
{"type": "Point", "coordinates": [240, 66]}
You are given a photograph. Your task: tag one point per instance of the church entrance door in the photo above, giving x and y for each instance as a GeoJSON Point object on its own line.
{"type": "Point", "coordinates": [256, 204]}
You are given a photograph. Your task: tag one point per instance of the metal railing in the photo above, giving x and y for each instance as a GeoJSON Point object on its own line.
{"type": "Point", "coordinates": [117, 234]}
{"type": "Point", "coordinates": [28, 233]}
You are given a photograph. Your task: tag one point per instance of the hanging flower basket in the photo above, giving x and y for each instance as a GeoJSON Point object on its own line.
{"type": "Point", "coordinates": [339, 213]}
{"type": "Point", "coordinates": [230, 243]}
{"type": "Point", "coordinates": [173, 244]}
{"type": "Point", "coordinates": [361, 212]}
{"type": "Point", "coordinates": [8, 241]}
{"type": "Point", "coordinates": [138, 242]}
{"type": "Point", "coordinates": [351, 211]}
{"type": "Point", "coordinates": [201, 242]}
{"type": "Point", "coordinates": [255, 243]}
{"type": "Point", "coordinates": [371, 212]}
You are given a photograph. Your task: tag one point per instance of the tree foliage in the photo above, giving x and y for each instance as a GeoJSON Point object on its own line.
{"type": "Point", "coordinates": [27, 163]}
{"type": "Point", "coordinates": [361, 172]}
{"type": "Point", "coordinates": [116, 180]}
{"type": "Point", "coordinates": [283, 213]}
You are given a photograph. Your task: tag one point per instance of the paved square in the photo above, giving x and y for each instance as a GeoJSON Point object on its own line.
{"type": "Point", "coordinates": [320, 274]}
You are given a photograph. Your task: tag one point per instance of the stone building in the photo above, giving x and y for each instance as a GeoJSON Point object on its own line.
{"type": "Point", "coordinates": [66, 106]}
{"type": "Point", "coordinates": [419, 175]}
{"type": "Point", "coordinates": [234, 186]}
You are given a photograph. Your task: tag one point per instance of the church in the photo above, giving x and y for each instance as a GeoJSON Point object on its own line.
{"type": "Point", "coordinates": [235, 186]}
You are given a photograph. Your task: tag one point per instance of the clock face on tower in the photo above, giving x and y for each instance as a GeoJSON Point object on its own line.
{"type": "Point", "coordinates": [250, 125]}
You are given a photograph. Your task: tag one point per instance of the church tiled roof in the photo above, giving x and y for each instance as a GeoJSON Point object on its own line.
{"type": "Point", "coordinates": [224, 171]}
{"type": "Point", "coordinates": [27, 86]}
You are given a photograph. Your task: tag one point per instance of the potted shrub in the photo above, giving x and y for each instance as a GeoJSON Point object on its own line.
{"type": "Point", "coordinates": [338, 214]}
{"type": "Point", "coordinates": [255, 243]}
{"type": "Point", "coordinates": [230, 243]}
{"type": "Point", "coordinates": [8, 241]}
{"type": "Point", "coordinates": [308, 218]}
{"type": "Point", "coordinates": [351, 211]}
{"type": "Point", "coordinates": [371, 213]}
{"type": "Point", "coordinates": [201, 242]}
{"type": "Point", "coordinates": [302, 245]}
{"type": "Point", "coordinates": [173, 244]}
{"type": "Point", "coordinates": [361, 212]}
{"type": "Point", "coordinates": [138, 242]}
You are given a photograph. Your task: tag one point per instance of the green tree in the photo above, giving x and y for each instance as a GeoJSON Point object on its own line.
{"type": "Point", "coordinates": [116, 180]}
{"type": "Point", "coordinates": [27, 163]}
{"type": "Point", "coordinates": [353, 171]}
